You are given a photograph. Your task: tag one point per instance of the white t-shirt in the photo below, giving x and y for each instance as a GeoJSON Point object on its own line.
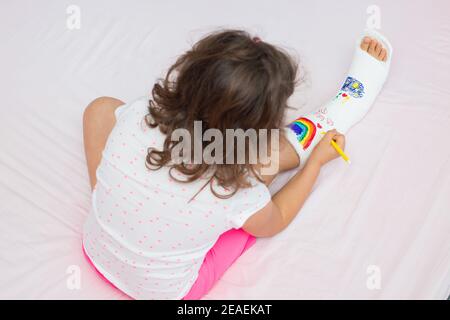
{"type": "Point", "coordinates": [142, 233]}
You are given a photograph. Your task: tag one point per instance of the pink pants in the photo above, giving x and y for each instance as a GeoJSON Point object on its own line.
{"type": "Point", "coordinates": [230, 246]}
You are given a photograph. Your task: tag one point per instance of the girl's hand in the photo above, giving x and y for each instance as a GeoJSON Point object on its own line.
{"type": "Point", "coordinates": [324, 151]}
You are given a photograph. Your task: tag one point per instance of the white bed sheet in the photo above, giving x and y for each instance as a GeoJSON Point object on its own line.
{"type": "Point", "coordinates": [389, 209]}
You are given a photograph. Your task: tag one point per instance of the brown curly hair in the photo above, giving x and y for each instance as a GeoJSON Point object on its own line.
{"type": "Point", "coordinates": [228, 80]}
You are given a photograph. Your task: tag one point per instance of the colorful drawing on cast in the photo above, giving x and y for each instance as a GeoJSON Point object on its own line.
{"type": "Point", "coordinates": [345, 97]}
{"type": "Point", "coordinates": [353, 88]}
{"type": "Point", "coordinates": [305, 130]}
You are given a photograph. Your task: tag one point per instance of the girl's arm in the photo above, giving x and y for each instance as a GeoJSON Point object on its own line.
{"type": "Point", "coordinates": [288, 159]}
{"type": "Point", "coordinates": [287, 202]}
{"type": "Point", "coordinates": [98, 121]}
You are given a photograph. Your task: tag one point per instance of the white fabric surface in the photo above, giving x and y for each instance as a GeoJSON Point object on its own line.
{"type": "Point", "coordinates": [389, 209]}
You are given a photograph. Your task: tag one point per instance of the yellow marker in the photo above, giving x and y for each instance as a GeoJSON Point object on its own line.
{"type": "Point", "coordinates": [339, 150]}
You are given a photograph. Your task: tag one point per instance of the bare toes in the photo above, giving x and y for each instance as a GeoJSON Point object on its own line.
{"type": "Point", "coordinates": [372, 46]}
{"type": "Point", "coordinates": [382, 55]}
{"type": "Point", "coordinates": [365, 43]}
{"type": "Point", "coordinates": [378, 49]}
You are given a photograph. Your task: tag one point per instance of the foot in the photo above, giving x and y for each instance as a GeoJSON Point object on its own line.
{"type": "Point", "coordinates": [374, 48]}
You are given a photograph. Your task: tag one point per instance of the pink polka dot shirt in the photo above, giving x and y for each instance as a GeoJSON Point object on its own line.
{"type": "Point", "coordinates": [142, 233]}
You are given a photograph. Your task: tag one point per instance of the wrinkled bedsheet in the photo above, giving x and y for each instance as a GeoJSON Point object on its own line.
{"type": "Point", "coordinates": [377, 229]}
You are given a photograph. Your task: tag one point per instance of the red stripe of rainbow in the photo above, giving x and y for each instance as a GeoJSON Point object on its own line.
{"type": "Point", "coordinates": [305, 130]}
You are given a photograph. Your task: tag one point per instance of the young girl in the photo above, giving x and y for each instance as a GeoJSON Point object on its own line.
{"type": "Point", "coordinates": [161, 229]}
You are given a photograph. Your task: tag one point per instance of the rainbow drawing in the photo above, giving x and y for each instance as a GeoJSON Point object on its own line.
{"type": "Point", "coordinates": [305, 130]}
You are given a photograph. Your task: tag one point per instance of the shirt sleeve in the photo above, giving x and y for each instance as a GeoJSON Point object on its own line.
{"type": "Point", "coordinates": [120, 110]}
{"type": "Point", "coordinates": [248, 201]}
{"type": "Point", "coordinates": [139, 104]}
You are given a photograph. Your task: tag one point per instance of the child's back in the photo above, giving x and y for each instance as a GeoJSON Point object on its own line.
{"type": "Point", "coordinates": [143, 233]}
